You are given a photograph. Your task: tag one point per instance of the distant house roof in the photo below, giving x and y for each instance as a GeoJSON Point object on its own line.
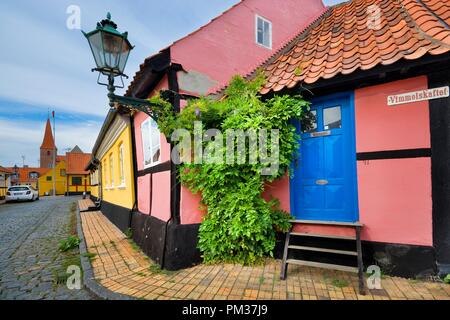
{"type": "Point", "coordinates": [76, 162]}
{"type": "Point", "coordinates": [347, 38]}
{"type": "Point", "coordinates": [48, 142]}
{"type": "Point", "coordinates": [5, 170]}
{"type": "Point", "coordinates": [76, 149]}
{"type": "Point", "coordinates": [24, 173]}
{"type": "Point", "coordinates": [60, 158]}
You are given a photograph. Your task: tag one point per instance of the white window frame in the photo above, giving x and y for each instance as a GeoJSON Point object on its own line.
{"type": "Point", "coordinates": [103, 173]}
{"type": "Point", "coordinates": [121, 166]}
{"type": "Point", "coordinates": [150, 132]}
{"type": "Point", "coordinates": [270, 32]}
{"type": "Point", "coordinates": [111, 170]}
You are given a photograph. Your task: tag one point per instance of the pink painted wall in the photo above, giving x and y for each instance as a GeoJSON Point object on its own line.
{"type": "Point", "coordinates": [161, 195]}
{"type": "Point", "coordinates": [395, 202]}
{"type": "Point", "coordinates": [279, 189]}
{"type": "Point", "coordinates": [143, 195]}
{"type": "Point", "coordinates": [325, 230]}
{"type": "Point", "coordinates": [160, 187]}
{"type": "Point", "coordinates": [190, 204]}
{"type": "Point", "coordinates": [381, 127]}
{"type": "Point", "coordinates": [227, 46]}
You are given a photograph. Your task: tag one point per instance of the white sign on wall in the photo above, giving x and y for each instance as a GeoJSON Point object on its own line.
{"type": "Point", "coordinates": [420, 95]}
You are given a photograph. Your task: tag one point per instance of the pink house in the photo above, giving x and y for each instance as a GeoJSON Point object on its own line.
{"type": "Point", "coordinates": [377, 159]}
{"type": "Point", "coordinates": [166, 220]}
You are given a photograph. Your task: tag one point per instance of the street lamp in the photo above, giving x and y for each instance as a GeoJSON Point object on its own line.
{"type": "Point", "coordinates": [111, 49]}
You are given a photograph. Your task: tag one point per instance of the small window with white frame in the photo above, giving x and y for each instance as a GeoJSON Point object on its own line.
{"type": "Point", "coordinates": [263, 32]}
{"type": "Point", "coordinates": [121, 170]}
{"type": "Point", "coordinates": [150, 142]}
{"type": "Point", "coordinates": [111, 170]}
{"type": "Point", "coordinates": [105, 177]}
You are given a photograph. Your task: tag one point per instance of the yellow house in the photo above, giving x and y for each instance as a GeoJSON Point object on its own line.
{"type": "Point", "coordinates": [46, 180]}
{"type": "Point", "coordinates": [4, 181]}
{"type": "Point", "coordinates": [95, 193]}
{"type": "Point", "coordinates": [111, 168]}
{"type": "Point", "coordinates": [78, 179]}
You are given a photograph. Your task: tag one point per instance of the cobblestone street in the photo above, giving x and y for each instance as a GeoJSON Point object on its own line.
{"type": "Point", "coordinates": [29, 255]}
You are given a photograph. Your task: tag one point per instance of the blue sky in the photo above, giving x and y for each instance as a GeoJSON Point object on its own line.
{"type": "Point", "coordinates": [46, 66]}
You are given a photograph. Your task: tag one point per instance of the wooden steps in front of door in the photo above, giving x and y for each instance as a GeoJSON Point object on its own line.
{"type": "Point", "coordinates": [312, 243]}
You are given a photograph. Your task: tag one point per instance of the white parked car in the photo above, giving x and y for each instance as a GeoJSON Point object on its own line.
{"type": "Point", "coordinates": [17, 193]}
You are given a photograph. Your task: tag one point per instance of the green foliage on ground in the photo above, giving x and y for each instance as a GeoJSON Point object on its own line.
{"type": "Point", "coordinates": [240, 225]}
{"type": "Point", "coordinates": [90, 255]}
{"type": "Point", "coordinates": [69, 243]}
{"type": "Point", "coordinates": [129, 233]}
{"type": "Point", "coordinates": [340, 283]}
{"type": "Point", "coordinates": [447, 279]}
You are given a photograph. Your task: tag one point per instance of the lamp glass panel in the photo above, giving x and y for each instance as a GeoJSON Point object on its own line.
{"type": "Point", "coordinates": [96, 43]}
{"type": "Point", "coordinates": [125, 52]}
{"type": "Point", "coordinates": [112, 45]}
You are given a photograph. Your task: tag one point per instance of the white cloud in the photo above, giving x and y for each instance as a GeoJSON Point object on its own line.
{"type": "Point", "coordinates": [25, 138]}
{"type": "Point", "coordinates": [48, 88]}
{"type": "Point", "coordinates": [46, 65]}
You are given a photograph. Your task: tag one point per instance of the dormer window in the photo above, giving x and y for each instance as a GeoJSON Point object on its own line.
{"type": "Point", "coordinates": [263, 32]}
{"type": "Point", "coordinates": [34, 175]}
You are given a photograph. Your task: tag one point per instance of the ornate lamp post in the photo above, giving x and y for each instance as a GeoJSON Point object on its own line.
{"type": "Point", "coordinates": [111, 49]}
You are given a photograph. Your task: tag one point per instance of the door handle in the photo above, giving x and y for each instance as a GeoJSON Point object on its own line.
{"type": "Point", "coordinates": [321, 182]}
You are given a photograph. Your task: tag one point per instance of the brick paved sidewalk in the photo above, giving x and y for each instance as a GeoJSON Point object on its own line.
{"type": "Point", "coordinates": [84, 204]}
{"type": "Point", "coordinates": [121, 267]}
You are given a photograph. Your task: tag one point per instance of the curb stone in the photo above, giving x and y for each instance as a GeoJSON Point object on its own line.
{"type": "Point", "coordinates": [88, 275]}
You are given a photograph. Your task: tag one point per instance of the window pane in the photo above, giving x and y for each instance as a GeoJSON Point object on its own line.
{"type": "Point", "coordinates": [156, 135]}
{"type": "Point", "coordinates": [266, 34]}
{"type": "Point", "coordinates": [111, 170]}
{"type": "Point", "coordinates": [310, 124]}
{"type": "Point", "coordinates": [260, 31]}
{"type": "Point", "coordinates": [122, 176]}
{"type": "Point", "coordinates": [155, 154]}
{"type": "Point", "coordinates": [76, 181]}
{"type": "Point", "coordinates": [263, 32]}
{"type": "Point", "coordinates": [332, 118]}
{"type": "Point", "coordinates": [145, 133]}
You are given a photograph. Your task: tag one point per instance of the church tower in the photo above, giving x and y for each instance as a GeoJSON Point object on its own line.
{"type": "Point", "coordinates": [47, 147]}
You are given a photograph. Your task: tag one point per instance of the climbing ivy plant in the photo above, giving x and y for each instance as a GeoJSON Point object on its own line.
{"type": "Point", "coordinates": [239, 224]}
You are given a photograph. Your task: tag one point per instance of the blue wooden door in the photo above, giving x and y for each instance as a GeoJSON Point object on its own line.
{"type": "Point", "coordinates": [324, 183]}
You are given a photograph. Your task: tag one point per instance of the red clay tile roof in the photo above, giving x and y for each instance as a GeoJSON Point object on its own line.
{"type": "Point", "coordinates": [24, 173]}
{"type": "Point", "coordinates": [60, 158]}
{"type": "Point", "coordinates": [48, 142]}
{"type": "Point", "coordinates": [76, 162]}
{"type": "Point", "coordinates": [5, 170]}
{"type": "Point", "coordinates": [341, 42]}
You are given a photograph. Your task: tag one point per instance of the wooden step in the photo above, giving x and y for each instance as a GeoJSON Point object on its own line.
{"type": "Point", "coordinates": [322, 265]}
{"type": "Point", "coordinates": [349, 253]}
{"type": "Point", "coordinates": [322, 236]}
{"type": "Point", "coordinates": [328, 223]}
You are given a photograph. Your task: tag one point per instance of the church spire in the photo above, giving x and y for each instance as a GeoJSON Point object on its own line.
{"type": "Point", "coordinates": [48, 142]}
